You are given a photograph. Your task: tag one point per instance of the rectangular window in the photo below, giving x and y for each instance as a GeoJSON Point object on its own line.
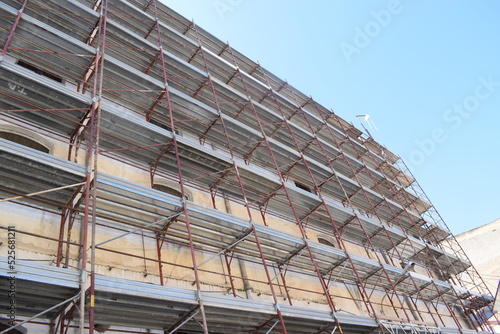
{"type": "Point", "coordinates": [303, 187]}
{"type": "Point", "coordinates": [39, 71]}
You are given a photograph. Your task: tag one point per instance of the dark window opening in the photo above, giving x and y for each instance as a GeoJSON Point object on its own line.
{"type": "Point", "coordinates": [39, 71]}
{"type": "Point", "coordinates": [167, 189]}
{"type": "Point", "coordinates": [303, 187]}
{"type": "Point", "coordinates": [14, 137]}
{"type": "Point", "coordinates": [161, 125]}
{"type": "Point", "coordinates": [326, 242]}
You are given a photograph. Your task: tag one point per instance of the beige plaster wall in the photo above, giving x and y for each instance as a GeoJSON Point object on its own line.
{"type": "Point", "coordinates": [124, 257]}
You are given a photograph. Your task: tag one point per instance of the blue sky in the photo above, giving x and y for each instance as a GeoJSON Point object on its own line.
{"type": "Point", "coordinates": [427, 72]}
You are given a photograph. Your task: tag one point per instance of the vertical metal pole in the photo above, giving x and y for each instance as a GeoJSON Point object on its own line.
{"type": "Point", "coordinates": [282, 275]}
{"type": "Point", "coordinates": [477, 281]}
{"type": "Point", "coordinates": [287, 195]}
{"type": "Point", "coordinates": [231, 279]}
{"type": "Point", "coordinates": [452, 314]}
{"type": "Point", "coordinates": [13, 30]}
{"type": "Point", "coordinates": [64, 217]}
{"type": "Point", "coordinates": [160, 264]}
{"type": "Point", "coordinates": [166, 96]}
{"type": "Point", "coordinates": [318, 190]}
{"type": "Point", "coordinates": [268, 276]}
{"type": "Point", "coordinates": [355, 174]}
{"type": "Point", "coordinates": [91, 179]}
{"type": "Point", "coordinates": [83, 268]}
{"type": "Point", "coordinates": [242, 189]}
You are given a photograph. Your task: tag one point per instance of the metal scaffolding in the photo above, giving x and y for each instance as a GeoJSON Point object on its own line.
{"type": "Point", "coordinates": [136, 84]}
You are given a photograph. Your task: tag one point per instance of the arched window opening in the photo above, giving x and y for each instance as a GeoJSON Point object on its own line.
{"type": "Point", "coordinates": [327, 242]}
{"type": "Point", "coordinates": [168, 190]}
{"type": "Point", "coordinates": [302, 186]}
{"type": "Point", "coordinates": [23, 140]}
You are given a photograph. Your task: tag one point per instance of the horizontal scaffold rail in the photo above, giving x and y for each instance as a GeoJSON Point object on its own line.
{"type": "Point", "coordinates": [121, 141]}
{"type": "Point", "coordinates": [125, 204]}
{"type": "Point", "coordinates": [178, 62]}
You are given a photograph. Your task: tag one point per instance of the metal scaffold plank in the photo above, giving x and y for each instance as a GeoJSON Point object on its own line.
{"type": "Point", "coordinates": [136, 84]}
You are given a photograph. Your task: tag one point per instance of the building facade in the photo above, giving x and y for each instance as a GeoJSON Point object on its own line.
{"type": "Point", "coordinates": [481, 245]}
{"type": "Point", "coordinates": [154, 179]}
